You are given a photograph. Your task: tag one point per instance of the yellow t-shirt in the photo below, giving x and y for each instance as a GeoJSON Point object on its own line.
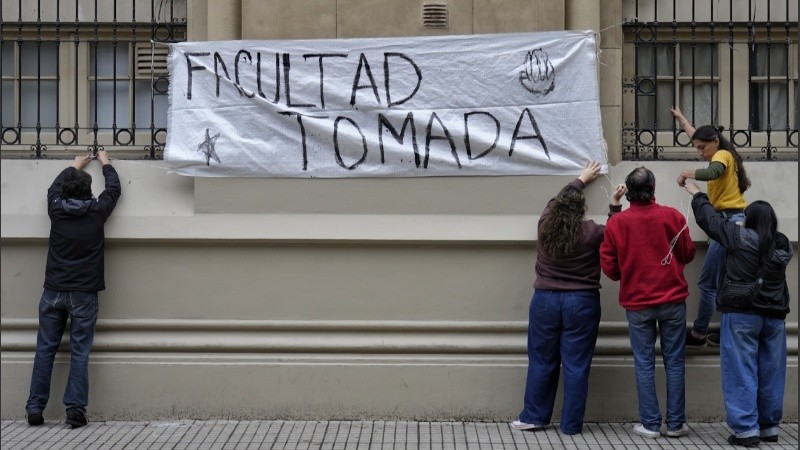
{"type": "Point", "coordinates": [723, 192]}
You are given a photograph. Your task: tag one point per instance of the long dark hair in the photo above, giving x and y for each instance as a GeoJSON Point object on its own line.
{"type": "Point", "coordinates": [761, 217]}
{"type": "Point", "coordinates": [707, 133]}
{"type": "Point", "coordinates": [559, 233]}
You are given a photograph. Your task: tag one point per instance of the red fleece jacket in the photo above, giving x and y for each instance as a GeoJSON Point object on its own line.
{"type": "Point", "coordinates": [636, 242]}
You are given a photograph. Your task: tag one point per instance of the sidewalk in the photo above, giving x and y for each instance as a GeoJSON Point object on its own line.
{"type": "Point", "coordinates": [279, 434]}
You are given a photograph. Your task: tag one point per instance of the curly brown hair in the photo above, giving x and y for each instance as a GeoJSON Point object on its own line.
{"type": "Point", "coordinates": [559, 233]}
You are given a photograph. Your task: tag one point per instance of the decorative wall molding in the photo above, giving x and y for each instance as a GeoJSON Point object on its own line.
{"type": "Point", "coordinates": [379, 337]}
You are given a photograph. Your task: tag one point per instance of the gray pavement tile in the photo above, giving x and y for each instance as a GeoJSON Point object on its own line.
{"type": "Point", "coordinates": [318, 434]}
{"type": "Point", "coordinates": [342, 433]}
{"type": "Point", "coordinates": [353, 434]}
{"type": "Point", "coordinates": [234, 434]}
{"type": "Point", "coordinates": [281, 434]}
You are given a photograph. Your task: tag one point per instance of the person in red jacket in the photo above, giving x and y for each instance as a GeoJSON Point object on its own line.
{"type": "Point", "coordinates": [646, 248]}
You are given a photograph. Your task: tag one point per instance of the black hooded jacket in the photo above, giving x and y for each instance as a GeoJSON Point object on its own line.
{"type": "Point", "coordinates": [742, 260]}
{"type": "Point", "coordinates": [75, 257]}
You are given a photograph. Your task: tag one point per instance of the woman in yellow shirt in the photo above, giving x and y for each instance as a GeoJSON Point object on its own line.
{"type": "Point", "coordinates": [727, 181]}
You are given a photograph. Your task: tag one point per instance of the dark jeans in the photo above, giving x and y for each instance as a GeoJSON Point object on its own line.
{"type": "Point", "coordinates": [55, 307]}
{"type": "Point", "coordinates": [562, 333]}
{"type": "Point", "coordinates": [669, 322]}
{"type": "Point", "coordinates": [709, 281]}
{"type": "Point", "coordinates": [753, 361]}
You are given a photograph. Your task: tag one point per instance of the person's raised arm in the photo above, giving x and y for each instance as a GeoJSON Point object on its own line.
{"type": "Point", "coordinates": [687, 126]}
{"type": "Point", "coordinates": [108, 198]}
{"type": "Point", "coordinates": [616, 205]}
{"type": "Point", "coordinates": [689, 129]}
{"type": "Point", "coordinates": [590, 172]}
{"type": "Point", "coordinates": [81, 162]}
{"type": "Point", "coordinates": [102, 156]}
{"type": "Point", "coordinates": [715, 226]}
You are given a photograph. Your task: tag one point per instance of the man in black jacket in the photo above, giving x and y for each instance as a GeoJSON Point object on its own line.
{"type": "Point", "coordinates": [73, 277]}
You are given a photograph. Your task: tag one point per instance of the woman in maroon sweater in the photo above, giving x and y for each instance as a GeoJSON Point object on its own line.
{"type": "Point", "coordinates": [564, 313]}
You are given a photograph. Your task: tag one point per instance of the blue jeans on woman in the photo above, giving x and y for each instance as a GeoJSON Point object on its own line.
{"type": "Point", "coordinates": [668, 321]}
{"type": "Point", "coordinates": [562, 333]}
{"type": "Point", "coordinates": [753, 362]}
{"type": "Point", "coordinates": [709, 280]}
{"type": "Point", "coordinates": [55, 307]}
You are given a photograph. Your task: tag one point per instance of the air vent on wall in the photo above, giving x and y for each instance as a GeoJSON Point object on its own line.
{"type": "Point", "coordinates": [434, 15]}
{"type": "Point", "coordinates": [151, 59]}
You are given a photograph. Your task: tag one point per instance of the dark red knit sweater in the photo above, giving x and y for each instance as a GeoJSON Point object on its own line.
{"type": "Point", "coordinates": [581, 269]}
{"type": "Point", "coordinates": [636, 242]}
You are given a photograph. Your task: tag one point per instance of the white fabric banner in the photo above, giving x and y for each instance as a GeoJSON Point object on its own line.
{"type": "Point", "coordinates": [503, 104]}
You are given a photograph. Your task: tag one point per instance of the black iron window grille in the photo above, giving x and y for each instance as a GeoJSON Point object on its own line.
{"type": "Point", "coordinates": [83, 75]}
{"type": "Point", "coordinates": [731, 63]}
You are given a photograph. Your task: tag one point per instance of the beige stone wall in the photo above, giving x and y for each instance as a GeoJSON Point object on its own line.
{"type": "Point", "coordinates": [327, 298]}
{"type": "Point", "coordinates": [369, 18]}
{"type": "Point", "coordinates": [339, 299]}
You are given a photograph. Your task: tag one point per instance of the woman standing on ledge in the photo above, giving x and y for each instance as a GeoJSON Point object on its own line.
{"type": "Point", "coordinates": [564, 313]}
{"type": "Point", "coordinates": [727, 181]}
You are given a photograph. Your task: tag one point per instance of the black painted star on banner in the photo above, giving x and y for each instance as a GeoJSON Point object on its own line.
{"type": "Point", "coordinates": [207, 148]}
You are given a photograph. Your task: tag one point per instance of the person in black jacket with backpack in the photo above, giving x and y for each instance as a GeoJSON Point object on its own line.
{"type": "Point", "coordinates": [753, 332]}
{"type": "Point", "coordinates": [73, 276]}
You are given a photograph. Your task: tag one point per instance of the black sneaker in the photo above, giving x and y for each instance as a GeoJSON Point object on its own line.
{"type": "Point", "coordinates": [712, 339]}
{"type": "Point", "coordinates": [751, 441]}
{"type": "Point", "coordinates": [76, 418]}
{"type": "Point", "coordinates": [35, 418]}
{"type": "Point", "coordinates": [692, 341]}
{"type": "Point", "coordinates": [770, 438]}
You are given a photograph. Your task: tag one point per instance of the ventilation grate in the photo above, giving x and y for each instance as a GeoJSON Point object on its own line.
{"type": "Point", "coordinates": [434, 15]}
{"type": "Point", "coordinates": [151, 60]}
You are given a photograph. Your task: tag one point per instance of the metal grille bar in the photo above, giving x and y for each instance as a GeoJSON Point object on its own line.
{"type": "Point", "coordinates": [729, 64]}
{"type": "Point", "coordinates": [72, 80]}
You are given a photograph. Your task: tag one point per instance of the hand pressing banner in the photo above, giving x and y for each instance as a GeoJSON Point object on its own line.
{"type": "Point", "coordinates": [507, 104]}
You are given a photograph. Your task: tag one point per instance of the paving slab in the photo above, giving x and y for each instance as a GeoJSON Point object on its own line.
{"type": "Point", "coordinates": [381, 434]}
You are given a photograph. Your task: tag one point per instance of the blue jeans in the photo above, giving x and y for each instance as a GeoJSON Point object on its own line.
{"type": "Point", "coordinates": [562, 333]}
{"type": "Point", "coordinates": [753, 362]}
{"type": "Point", "coordinates": [669, 321]}
{"type": "Point", "coordinates": [55, 307]}
{"type": "Point", "coordinates": [709, 281]}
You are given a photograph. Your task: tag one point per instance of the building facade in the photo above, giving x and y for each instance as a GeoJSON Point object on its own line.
{"type": "Point", "coordinates": [357, 298]}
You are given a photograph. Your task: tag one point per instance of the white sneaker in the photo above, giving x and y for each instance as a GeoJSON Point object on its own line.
{"type": "Point", "coordinates": [682, 431]}
{"type": "Point", "coordinates": [517, 425]}
{"type": "Point", "coordinates": [644, 432]}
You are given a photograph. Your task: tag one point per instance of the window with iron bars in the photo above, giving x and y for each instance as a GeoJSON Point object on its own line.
{"type": "Point", "coordinates": [719, 67]}
{"type": "Point", "coordinates": [86, 75]}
